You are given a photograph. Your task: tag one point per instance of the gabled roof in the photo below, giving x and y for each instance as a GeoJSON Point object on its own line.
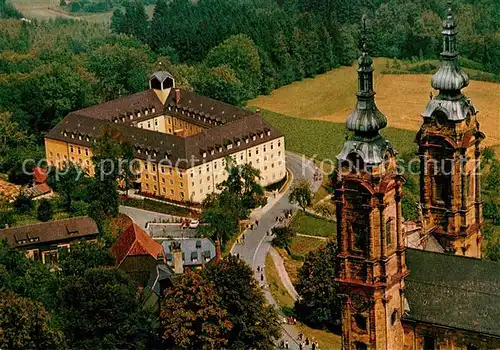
{"type": "Point", "coordinates": [39, 175]}
{"type": "Point", "coordinates": [124, 106]}
{"type": "Point", "coordinates": [134, 242]}
{"type": "Point", "coordinates": [49, 232]}
{"type": "Point", "coordinates": [453, 291]}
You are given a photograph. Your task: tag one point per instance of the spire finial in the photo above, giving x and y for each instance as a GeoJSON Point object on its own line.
{"type": "Point", "coordinates": [363, 35]}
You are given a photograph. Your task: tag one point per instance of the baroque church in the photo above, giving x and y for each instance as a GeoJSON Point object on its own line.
{"type": "Point", "coordinates": [426, 288]}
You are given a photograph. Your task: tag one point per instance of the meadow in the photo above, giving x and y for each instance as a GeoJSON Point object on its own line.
{"type": "Point", "coordinates": [330, 97]}
{"type": "Point", "coordinates": [323, 140]}
{"type": "Point", "coordinates": [50, 9]}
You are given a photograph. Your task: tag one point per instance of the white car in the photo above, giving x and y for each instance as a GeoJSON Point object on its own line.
{"type": "Point", "coordinates": [194, 224]}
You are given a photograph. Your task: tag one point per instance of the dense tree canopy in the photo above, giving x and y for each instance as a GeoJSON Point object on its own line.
{"type": "Point", "coordinates": [191, 316]}
{"type": "Point", "coordinates": [101, 310]}
{"type": "Point", "coordinates": [25, 324]}
{"type": "Point", "coordinates": [254, 323]}
{"type": "Point", "coordinates": [319, 305]}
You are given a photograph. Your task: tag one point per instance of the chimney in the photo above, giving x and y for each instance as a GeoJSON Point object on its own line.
{"type": "Point", "coordinates": [177, 95]}
{"type": "Point", "coordinates": [218, 251]}
{"type": "Point", "coordinates": [177, 256]}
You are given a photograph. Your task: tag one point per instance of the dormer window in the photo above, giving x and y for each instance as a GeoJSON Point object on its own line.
{"type": "Point", "coordinates": [247, 140]}
{"type": "Point", "coordinates": [230, 146]}
{"type": "Point", "coordinates": [116, 120]}
{"type": "Point", "coordinates": [138, 150]}
{"type": "Point", "coordinates": [72, 136]}
{"type": "Point", "coordinates": [79, 137]}
{"type": "Point", "coordinates": [138, 114]}
{"type": "Point", "coordinates": [65, 134]}
{"type": "Point", "coordinates": [220, 149]}
{"type": "Point", "coordinates": [153, 110]}
{"type": "Point", "coordinates": [146, 112]}
{"type": "Point", "coordinates": [131, 117]}
{"type": "Point", "coordinates": [154, 154]}
{"type": "Point", "coordinates": [262, 135]}
{"type": "Point", "coordinates": [87, 139]}
{"type": "Point", "coordinates": [268, 132]}
{"type": "Point", "coordinates": [212, 152]}
{"type": "Point", "coordinates": [204, 154]}
{"type": "Point", "coordinates": [238, 143]}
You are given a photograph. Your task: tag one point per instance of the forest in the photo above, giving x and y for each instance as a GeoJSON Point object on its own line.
{"type": "Point", "coordinates": [231, 50]}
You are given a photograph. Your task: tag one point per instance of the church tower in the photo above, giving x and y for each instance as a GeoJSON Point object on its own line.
{"type": "Point", "coordinates": [449, 150]}
{"type": "Point", "coordinates": [371, 253]}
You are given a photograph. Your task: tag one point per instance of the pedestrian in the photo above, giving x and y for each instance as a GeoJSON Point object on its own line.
{"type": "Point", "coordinates": [286, 344]}
{"type": "Point", "coordinates": [276, 219]}
{"type": "Point", "coordinates": [300, 346]}
{"type": "Point", "coordinates": [314, 346]}
{"type": "Point", "coordinates": [307, 340]}
{"type": "Point", "coordinates": [238, 255]}
{"type": "Point", "coordinates": [262, 277]}
{"type": "Point", "coordinates": [258, 268]}
{"type": "Point", "coordinates": [257, 223]}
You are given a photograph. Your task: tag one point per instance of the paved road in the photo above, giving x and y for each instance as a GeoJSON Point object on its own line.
{"type": "Point", "coordinates": [257, 243]}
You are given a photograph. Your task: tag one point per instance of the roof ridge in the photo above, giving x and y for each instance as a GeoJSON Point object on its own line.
{"type": "Point", "coordinates": [48, 222]}
{"type": "Point", "coordinates": [450, 286]}
{"type": "Point", "coordinates": [456, 256]}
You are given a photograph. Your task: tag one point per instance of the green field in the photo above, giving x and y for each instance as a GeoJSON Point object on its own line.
{"type": "Point", "coordinates": [50, 9]}
{"type": "Point", "coordinates": [323, 140]}
{"type": "Point", "coordinates": [401, 97]}
{"type": "Point", "coordinates": [306, 224]}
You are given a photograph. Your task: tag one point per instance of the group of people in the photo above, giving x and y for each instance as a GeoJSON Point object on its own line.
{"type": "Point", "coordinates": [251, 225]}
{"type": "Point", "coordinates": [303, 344]}
{"type": "Point", "coordinates": [241, 240]}
{"type": "Point", "coordinates": [317, 176]}
{"type": "Point", "coordinates": [287, 214]}
{"type": "Point", "coordinates": [306, 342]}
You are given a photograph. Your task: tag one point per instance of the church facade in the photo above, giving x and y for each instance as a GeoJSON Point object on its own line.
{"type": "Point", "coordinates": [392, 296]}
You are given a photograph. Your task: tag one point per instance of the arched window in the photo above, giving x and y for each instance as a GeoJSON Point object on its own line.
{"type": "Point", "coordinates": [388, 232]}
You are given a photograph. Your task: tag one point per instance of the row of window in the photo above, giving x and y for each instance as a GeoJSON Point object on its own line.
{"type": "Point", "coordinates": [164, 190]}
{"type": "Point", "coordinates": [138, 115]}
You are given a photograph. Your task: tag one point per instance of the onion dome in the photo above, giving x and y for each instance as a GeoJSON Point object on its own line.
{"type": "Point", "coordinates": [366, 117]}
{"type": "Point", "coordinates": [450, 77]}
{"type": "Point", "coordinates": [366, 120]}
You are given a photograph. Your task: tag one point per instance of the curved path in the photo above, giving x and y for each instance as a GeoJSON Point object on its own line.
{"type": "Point", "coordinates": [257, 243]}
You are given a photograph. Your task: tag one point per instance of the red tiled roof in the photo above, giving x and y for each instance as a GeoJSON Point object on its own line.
{"type": "Point", "coordinates": [39, 175]}
{"type": "Point", "coordinates": [134, 241]}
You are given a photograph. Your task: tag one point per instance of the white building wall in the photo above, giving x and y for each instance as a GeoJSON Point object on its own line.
{"type": "Point", "coordinates": [268, 157]}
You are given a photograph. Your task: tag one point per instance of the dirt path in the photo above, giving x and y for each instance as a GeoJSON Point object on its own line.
{"type": "Point", "coordinates": [285, 279]}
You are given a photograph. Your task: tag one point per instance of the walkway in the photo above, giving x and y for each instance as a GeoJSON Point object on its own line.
{"type": "Point", "coordinates": [257, 242]}
{"type": "Point", "coordinates": [285, 279]}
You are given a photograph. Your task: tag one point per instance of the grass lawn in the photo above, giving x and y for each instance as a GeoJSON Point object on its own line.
{"type": "Point", "coordinates": [311, 225]}
{"type": "Point", "coordinates": [326, 339]}
{"type": "Point", "coordinates": [277, 288]}
{"type": "Point", "coordinates": [331, 97]}
{"type": "Point", "coordinates": [30, 218]}
{"type": "Point", "coordinates": [323, 140]}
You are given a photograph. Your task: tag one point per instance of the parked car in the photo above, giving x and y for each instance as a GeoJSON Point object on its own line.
{"type": "Point", "coordinates": [194, 224]}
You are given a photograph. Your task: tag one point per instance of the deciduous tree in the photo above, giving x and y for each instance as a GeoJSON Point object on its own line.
{"type": "Point", "coordinates": [301, 194]}
{"type": "Point", "coordinates": [191, 316]}
{"type": "Point", "coordinates": [101, 310]}
{"type": "Point", "coordinates": [25, 324]}
{"type": "Point", "coordinates": [318, 304]}
{"type": "Point", "coordinates": [44, 210]}
{"type": "Point", "coordinates": [255, 323]}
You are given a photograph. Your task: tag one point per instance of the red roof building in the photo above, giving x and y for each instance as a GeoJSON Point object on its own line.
{"type": "Point", "coordinates": [39, 175]}
{"type": "Point", "coordinates": [137, 254]}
